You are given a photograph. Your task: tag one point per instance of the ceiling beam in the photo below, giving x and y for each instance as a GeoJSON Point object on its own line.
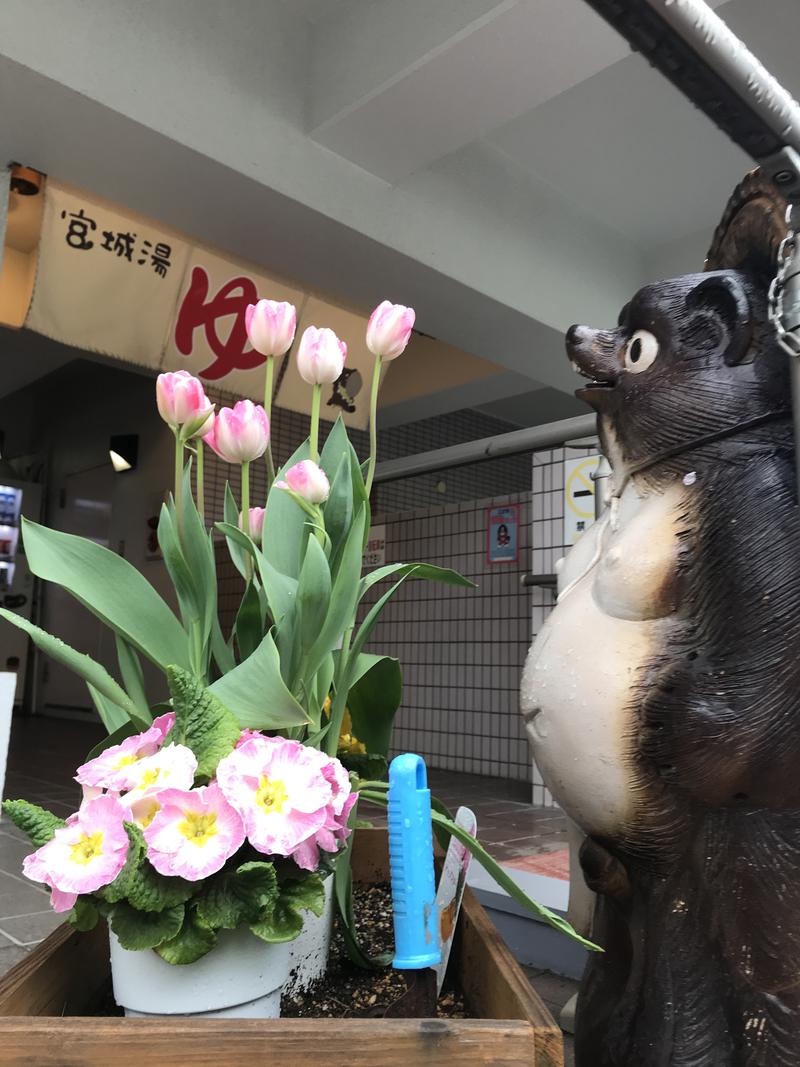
{"type": "Point", "coordinates": [379, 66]}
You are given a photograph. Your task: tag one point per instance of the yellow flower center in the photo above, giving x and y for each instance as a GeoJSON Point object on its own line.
{"type": "Point", "coordinates": [149, 815]}
{"type": "Point", "coordinates": [150, 777]}
{"type": "Point", "coordinates": [271, 795]}
{"type": "Point", "coordinates": [87, 848]}
{"type": "Point", "coordinates": [126, 761]}
{"type": "Point", "coordinates": [199, 829]}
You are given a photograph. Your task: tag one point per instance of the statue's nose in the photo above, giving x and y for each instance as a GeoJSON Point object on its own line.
{"type": "Point", "coordinates": [575, 335]}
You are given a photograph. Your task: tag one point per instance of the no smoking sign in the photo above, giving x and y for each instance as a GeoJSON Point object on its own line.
{"type": "Point", "coordinates": [578, 496]}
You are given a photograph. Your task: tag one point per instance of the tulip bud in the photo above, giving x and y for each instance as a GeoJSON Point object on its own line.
{"type": "Point", "coordinates": [240, 433]}
{"type": "Point", "coordinates": [389, 329]}
{"type": "Point", "coordinates": [256, 522]}
{"type": "Point", "coordinates": [270, 326]}
{"type": "Point", "coordinates": [320, 356]}
{"type": "Point", "coordinates": [307, 480]}
{"type": "Point", "coordinates": [183, 404]}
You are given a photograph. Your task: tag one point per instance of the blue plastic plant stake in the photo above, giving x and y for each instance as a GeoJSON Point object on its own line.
{"type": "Point", "coordinates": [416, 927]}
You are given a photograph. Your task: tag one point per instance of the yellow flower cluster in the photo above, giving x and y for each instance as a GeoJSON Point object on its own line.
{"type": "Point", "coordinates": [348, 742]}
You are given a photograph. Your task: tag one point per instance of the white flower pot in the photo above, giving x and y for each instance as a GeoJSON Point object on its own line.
{"type": "Point", "coordinates": [242, 977]}
{"type": "Point", "coordinates": [310, 950]}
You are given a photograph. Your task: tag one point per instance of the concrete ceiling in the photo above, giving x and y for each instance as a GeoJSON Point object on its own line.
{"type": "Point", "coordinates": [507, 166]}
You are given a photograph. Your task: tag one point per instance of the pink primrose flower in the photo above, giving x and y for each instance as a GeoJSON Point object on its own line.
{"type": "Point", "coordinates": [164, 724]}
{"type": "Point", "coordinates": [194, 833]}
{"type": "Point", "coordinates": [278, 789]}
{"type": "Point", "coordinates": [83, 856]}
{"type": "Point", "coordinates": [112, 769]}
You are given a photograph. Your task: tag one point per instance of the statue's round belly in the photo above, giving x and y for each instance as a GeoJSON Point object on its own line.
{"type": "Point", "coordinates": [576, 698]}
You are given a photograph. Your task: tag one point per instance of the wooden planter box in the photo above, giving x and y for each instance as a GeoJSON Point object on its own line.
{"type": "Point", "coordinates": [45, 1000]}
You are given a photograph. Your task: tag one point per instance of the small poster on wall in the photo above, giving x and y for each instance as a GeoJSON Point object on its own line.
{"type": "Point", "coordinates": [375, 551]}
{"type": "Point", "coordinates": [502, 534]}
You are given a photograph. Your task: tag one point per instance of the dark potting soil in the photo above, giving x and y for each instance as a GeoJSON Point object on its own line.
{"type": "Point", "coordinates": [349, 991]}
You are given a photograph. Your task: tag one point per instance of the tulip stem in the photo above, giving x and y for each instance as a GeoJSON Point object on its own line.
{"type": "Point", "coordinates": [268, 408]}
{"type": "Point", "coordinates": [316, 397]}
{"type": "Point", "coordinates": [179, 483]}
{"type": "Point", "coordinates": [248, 563]}
{"type": "Point", "coordinates": [339, 705]}
{"type": "Point", "coordinates": [201, 497]}
{"type": "Point", "coordinates": [373, 422]}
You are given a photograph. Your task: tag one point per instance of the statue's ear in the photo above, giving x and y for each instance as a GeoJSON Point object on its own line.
{"type": "Point", "coordinates": [722, 297]}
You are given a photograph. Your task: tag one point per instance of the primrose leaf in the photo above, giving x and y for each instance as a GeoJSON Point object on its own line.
{"type": "Point", "coordinates": [286, 920]}
{"type": "Point", "coordinates": [36, 822]}
{"type": "Point", "coordinates": [191, 943]}
{"type": "Point", "coordinates": [201, 721]}
{"type": "Point", "coordinates": [138, 930]}
{"type": "Point", "coordinates": [234, 898]}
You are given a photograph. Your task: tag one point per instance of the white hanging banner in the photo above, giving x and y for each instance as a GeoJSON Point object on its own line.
{"type": "Point", "coordinates": [111, 281]}
{"type": "Point", "coordinates": [107, 281]}
{"type": "Point", "coordinates": [208, 336]}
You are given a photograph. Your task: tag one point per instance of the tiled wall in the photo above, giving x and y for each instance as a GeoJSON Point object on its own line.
{"type": "Point", "coordinates": [503, 475]}
{"type": "Point", "coordinates": [507, 474]}
{"type": "Point", "coordinates": [461, 649]}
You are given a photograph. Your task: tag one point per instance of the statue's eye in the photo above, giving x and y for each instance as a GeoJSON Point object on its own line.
{"type": "Point", "coordinates": [640, 351]}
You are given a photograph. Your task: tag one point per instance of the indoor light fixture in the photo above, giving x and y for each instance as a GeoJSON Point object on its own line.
{"type": "Point", "coordinates": [124, 451]}
{"type": "Point", "coordinates": [25, 181]}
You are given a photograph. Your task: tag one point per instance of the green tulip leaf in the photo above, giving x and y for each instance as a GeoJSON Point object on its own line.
{"type": "Point", "coordinates": [373, 700]}
{"type": "Point", "coordinates": [109, 587]}
{"type": "Point", "coordinates": [256, 693]}
{"type": "Point", "coordinates": [86, 668]}
{"type": "Point", "coordinates": [285, 524]}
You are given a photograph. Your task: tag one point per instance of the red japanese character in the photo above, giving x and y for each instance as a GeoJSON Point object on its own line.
{"type": "Point", "coordinates": [232, 299]}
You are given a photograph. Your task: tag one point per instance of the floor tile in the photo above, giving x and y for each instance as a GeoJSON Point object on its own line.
{"type": "Point", "coordinates": [11, 954]}
{"type": "Point", "coordinates": [550, 864]}
{"type": "Point", "coordinates": [13, 851]}
{"type": "Point", "coordinates": [19, 896]}
{"type": "Point", "coordinates": [30, 929]}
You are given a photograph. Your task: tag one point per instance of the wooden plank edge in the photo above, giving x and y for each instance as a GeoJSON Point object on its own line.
{"type": "Point", "coordinates": [191, 1042]}
{"type": "Point", "coordinates": [495, 985]}
{"type": "Point", "coordinates": [67, 972]}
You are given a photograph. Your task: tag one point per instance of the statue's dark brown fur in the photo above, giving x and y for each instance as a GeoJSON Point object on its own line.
{"type": "Point", "coordinates": [699, 891]}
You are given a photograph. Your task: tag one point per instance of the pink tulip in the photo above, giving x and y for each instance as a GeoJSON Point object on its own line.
{"type": "Point", "coordinates": [307, 480]}
{"type": "Point", "coordinates": [270, 326]}
{"type": "Point", "coordinates": [256, 522]}
{"type": "Point", "coordinates": [389, 329]}
{"type": "Point", "coordinates": [320, 356]}
{"type": "Point", "coordinates": [240, 433]}
{"type": "Point", "coordinates": [183, 404]}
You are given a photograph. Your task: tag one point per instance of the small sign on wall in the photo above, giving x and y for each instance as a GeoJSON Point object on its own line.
{"type": "Point", "coordinates": [502, 534]}
{"type": "Point", "coordinates": [375, 552]}
{"type": "Point", "coordinates": [578, 496]}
